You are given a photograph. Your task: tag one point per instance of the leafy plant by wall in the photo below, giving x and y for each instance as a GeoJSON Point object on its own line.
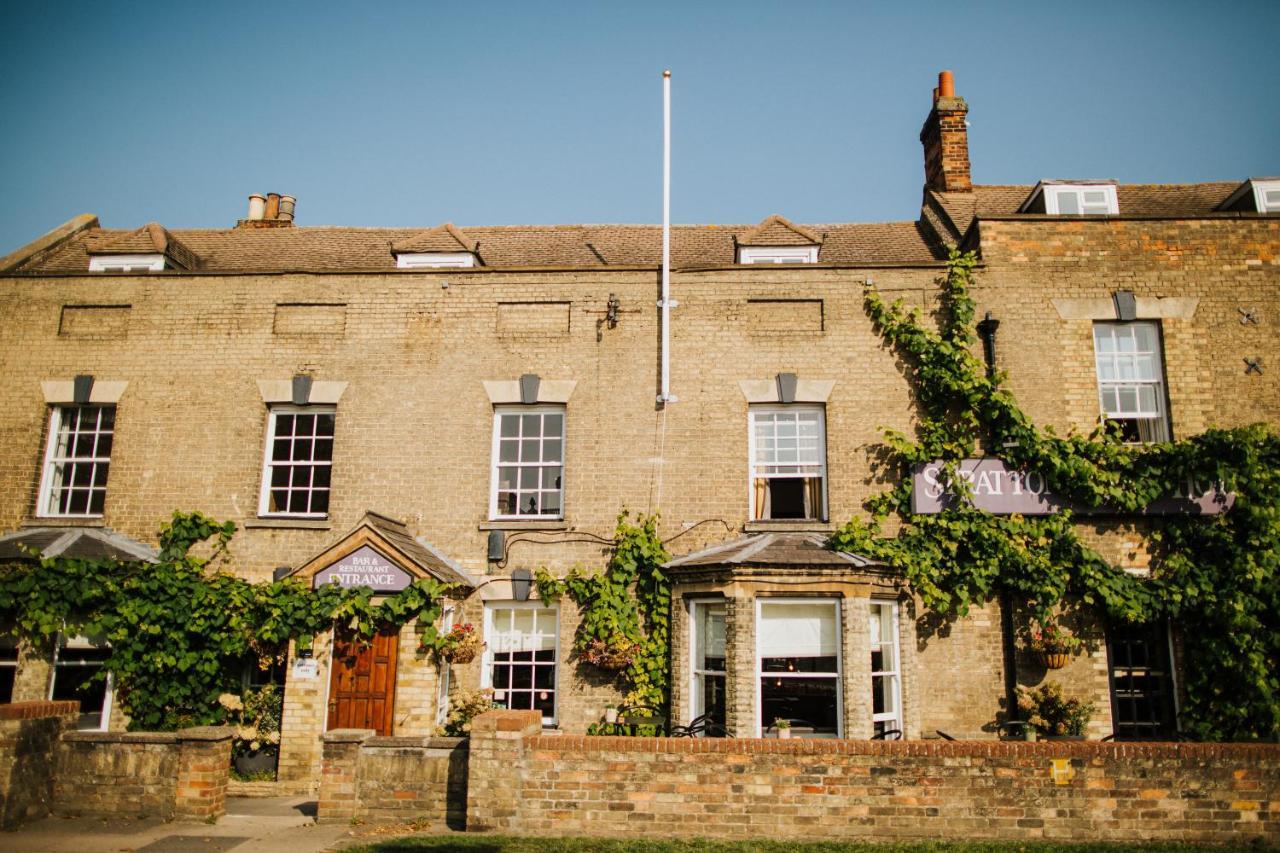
{"type": "Point", "coordinates": [180, 630]}
{"type": "Point", "coordinates": [1217, 577]}
{"type": "Point", "coordinates": [626, 609]}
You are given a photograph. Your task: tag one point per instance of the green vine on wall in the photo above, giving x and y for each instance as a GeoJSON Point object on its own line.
{"type": "Point", "coordinates": [180, 630]}
{"type": "Point", "coordinates": [627, 606]}
{"type": "Point", "coordinates": [1217, 577]}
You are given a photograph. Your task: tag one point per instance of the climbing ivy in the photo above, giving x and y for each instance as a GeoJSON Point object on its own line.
{"type": "Point", "coordinates": [181, 630]}
{"type": "Point", "coordinates": [627, 607]}
{"type": "Point", "coordinates": [1217, 576]}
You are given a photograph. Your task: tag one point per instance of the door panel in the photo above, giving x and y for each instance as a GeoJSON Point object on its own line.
{"type": "Point", "coordinates": [363, 682]}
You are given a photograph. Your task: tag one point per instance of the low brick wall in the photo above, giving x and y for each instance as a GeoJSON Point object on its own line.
{"type": "Point", "coordinates": [524, 781]}
{"type": "Point", "coordinates": [393, 778]}
{"type": "Point", "coordinates": [169, 775]}
{"type": "Point", "coordinates": [29, 733]}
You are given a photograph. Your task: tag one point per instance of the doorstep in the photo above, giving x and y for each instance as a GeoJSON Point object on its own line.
{"type": "Point", "coordinates": [269, 789]}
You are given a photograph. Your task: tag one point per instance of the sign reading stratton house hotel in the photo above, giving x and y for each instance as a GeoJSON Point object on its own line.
{"type": "Point", "coordinates": [998, 488]}
{"type": "Point", "coordinates": [364, 567]}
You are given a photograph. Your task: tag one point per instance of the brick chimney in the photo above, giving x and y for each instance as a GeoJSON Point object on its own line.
{"type": "Point", "coordinates": [946, 140]}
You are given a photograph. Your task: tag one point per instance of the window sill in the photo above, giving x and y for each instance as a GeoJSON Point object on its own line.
{"type": "Point", "coordinates": [789, 526]}
{"type": "Point", "coordinates": [517, 524]}
{"type": "Point", "coordinates": [65, 521]}
{"type": "Point", "coordinates": [288, 523]}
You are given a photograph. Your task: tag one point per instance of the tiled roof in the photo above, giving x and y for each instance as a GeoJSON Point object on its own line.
{"type": "Point", "coordinates": [442, 238]}
{"type": "Point", "coordinates": [778, 231]}
{"type": "Point", "coordinates": [338, 249]}
{"type": "Point", "coordinates": [150, 239]}
{"type": "Point", "coordinates": [419, 550]}
{"type": "Point", "coordinates": [775, 550]}
{"type": "Point", "coordinates": [1135, 200]}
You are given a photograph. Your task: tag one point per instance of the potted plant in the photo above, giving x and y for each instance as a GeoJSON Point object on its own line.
{"type": "Point", "coordinates": [783, 725]}
{"type": "Point", "coordinates": [611, 715]}
{"type": "Point", "coordinates": [615, 655]}
{"type": "Point", "coordinates": [1054, 715]}
{"type": "Point", "coordinates": [256, 716]}
{"type": "Point", "coordinates": [460, 645]}
{"type": "Point", "coordinates": [1053, 646]}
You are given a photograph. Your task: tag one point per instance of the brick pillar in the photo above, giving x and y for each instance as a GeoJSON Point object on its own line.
{"type": "Point", "coordinates": [339, 763]}
{"type": "Point", "coordinates": [204, 767]}
{"type": "Point", "coordinates": [740, 666]}
{"type": "Point", "coordinates": [494, 777]}
{"type": "Point", "coordinates": [29, 733]}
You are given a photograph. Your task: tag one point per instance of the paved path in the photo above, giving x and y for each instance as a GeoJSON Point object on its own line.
{"type": "Point", "coordinates": [251, 825]}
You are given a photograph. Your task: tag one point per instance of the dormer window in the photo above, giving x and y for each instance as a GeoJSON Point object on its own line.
{"type": "Point", "coordinates": [126, 263]}
{"type": "Point", "coordinates": [434, 260]}
{"type": "Point", "coordinates": [777, 240]}
{"type": "Point", "coordinates": [777, 254]}
{"type": "Point", "coordinates": [1259, 195]}
{"type": "Point", "coordinates": [1073, 199]}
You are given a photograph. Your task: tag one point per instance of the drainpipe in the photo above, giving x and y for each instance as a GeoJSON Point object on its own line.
{"type": "Point", "coordinates": [987, 330]}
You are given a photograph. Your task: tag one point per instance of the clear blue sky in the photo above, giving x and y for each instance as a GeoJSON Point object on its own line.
{"type": "Point", "coordinates": [414, 113]}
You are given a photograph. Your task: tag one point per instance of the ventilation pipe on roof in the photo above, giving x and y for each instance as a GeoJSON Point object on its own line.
{"type": "Point", "coordinates": [287, 203]}
{"type": "Point", "coordinates": [273, 207]}
{"type": "Point", "coordinates": [257, 206]}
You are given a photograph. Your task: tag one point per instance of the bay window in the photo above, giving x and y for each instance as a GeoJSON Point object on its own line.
{"type": "Point", "coordinates": [886, 674]}
{"type": "Point", "coordinates": [707, 619]}
{"type": "Point", "coordinates": [799, 665]}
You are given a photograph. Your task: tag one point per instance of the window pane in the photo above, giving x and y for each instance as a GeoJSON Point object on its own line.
{"type": "Point", "coordinates": [510, 426]}
{"type": "Point", "coordinates": [325, 424]}
{"type": "Point", "coordinates": [508, 451]}
{"type": "Point", "coordinates": [551, 450]}
{"type": "Point", "coordinates": [1068, 202]}
{"type": "Point", "coordinates": [553, 425]}
{"type": "Point", "coordinates": [808, 703]}
{"type": "Point", "coordinates": [529, 451]}
{"type": "Point", "coordinates": [797, 630]}
{"type": "Point", "coordinates": [530, 425]}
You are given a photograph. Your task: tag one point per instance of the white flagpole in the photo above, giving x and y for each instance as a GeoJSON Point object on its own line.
{"type": "Point", "coordinates": [665, 397]}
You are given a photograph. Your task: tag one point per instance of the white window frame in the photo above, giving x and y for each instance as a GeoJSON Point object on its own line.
{"type": "Point", "coordinates": [696, 672]}
{"type": "Point", "coordinates": [443, 669]}
{"type": "Point", "coordinates": [490, 634]}
{"type": "Point", "coordinates": [264, 496]}
{"type": "Point", "coordinates": [434, 260]}
{"type": "Point", "coordinates": [1158, 384]}
{"type": "Point", "coordinates": [838, 608]}
{"type": "Point", "coordinates": [108, 698]}
{"type": "Point", "coordinates": [496, 463]}
{"type": "Point", "coordinates": [755, 409]}
{"type": "Point", "coordinates": [1260, 191]}
{"type": "Point", "coordinates": [1053, 192]}
{"type": "Point", "coordinates": [777, 254]}
{"type": "Point", "coordinates": [126, 263]}
{"type": "Point", "coordinates": [893, 719]}
{"type": "Point", "coordinates": [45, 507]}
{"type": "Point", "coordinates": [10, 645]}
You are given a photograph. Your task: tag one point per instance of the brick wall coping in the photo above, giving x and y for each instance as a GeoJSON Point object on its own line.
{"type": "Point", "coordinates": [384, 742]}
{"type": "Point", "coordinates": [348, 735]}
{"type": "Point", "coordinates": [210, 734]}
{"type": "Point", "coordinates": [35, 710]}
{"type": "Point", "coordinates": [978, 748]}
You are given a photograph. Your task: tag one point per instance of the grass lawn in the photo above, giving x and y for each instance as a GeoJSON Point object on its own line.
{"type": "Point", "coordinates": [512, 844]}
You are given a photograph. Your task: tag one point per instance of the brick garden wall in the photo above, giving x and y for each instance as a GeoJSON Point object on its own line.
{"type": "Point", "coordinates": [404, 778]}
{"type": "Point", "coordinates": [523, 781]}
{"type": "Point", "coordinates": [144, 774]}
{"type": "Point", "coordinates": [29, 734]}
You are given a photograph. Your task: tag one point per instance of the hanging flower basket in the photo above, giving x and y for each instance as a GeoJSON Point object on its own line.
{"type": "Point", "coordinates": [1054, 660]}
{"type": "Point", "coordinates": [460, 645]}
{"type": "Point", "coordinates": [611, 657]}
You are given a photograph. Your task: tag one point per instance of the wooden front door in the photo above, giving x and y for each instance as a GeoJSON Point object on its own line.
{"type": "Point", "coordinates": [362, 683]}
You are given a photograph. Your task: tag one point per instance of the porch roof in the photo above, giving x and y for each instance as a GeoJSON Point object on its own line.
{"type": "Point", "coordinates": [82, 543]}
{"type": "Point", "coordinates": [775, 549]}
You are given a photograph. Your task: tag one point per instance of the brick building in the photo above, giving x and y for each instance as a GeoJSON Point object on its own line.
{"type": "Point", "coordinates": [468, 402]}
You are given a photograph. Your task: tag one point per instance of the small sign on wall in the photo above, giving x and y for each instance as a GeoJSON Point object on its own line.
{"type": "Point", "coordinates": [305, 668]}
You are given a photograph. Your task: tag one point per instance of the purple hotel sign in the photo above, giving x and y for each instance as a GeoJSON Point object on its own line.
{"type": "Point", "coordinates": [999, 489]}
{"type": "Point", "coordinates": [364, 567]}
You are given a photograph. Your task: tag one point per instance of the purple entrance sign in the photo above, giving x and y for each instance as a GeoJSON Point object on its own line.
{"type": "Point", "coordinates": [364, 567]}
{"type": "Point", "coordinates": [997, 488]}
